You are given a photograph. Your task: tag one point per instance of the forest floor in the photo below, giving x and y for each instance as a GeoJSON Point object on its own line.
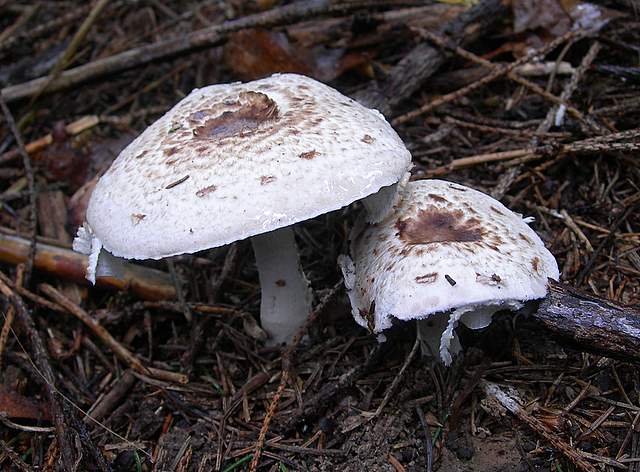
{"type": "Point", "coordinates": [550, 127]}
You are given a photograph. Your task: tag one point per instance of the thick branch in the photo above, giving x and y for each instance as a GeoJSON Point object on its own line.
{"type": "Point", "coordinates": [200, 39]}
{"type": "Point", "coordinates": [146, 283]}
{"type": "Point", "coordinates": [408, 75]}
{"type": "Point", "coordinates": [592, 324]}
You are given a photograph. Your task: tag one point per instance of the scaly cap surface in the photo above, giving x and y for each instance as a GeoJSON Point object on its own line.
{"type": "Point", "coordinates": [235, 160]}
{"type": "Point", "coordinates": [446, 246]}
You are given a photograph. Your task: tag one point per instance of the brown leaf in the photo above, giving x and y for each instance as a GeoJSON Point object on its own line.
{"type": "Point", "coordinates": [256, 53]}
{"type": "Point", "coordinates": [14, 405]}
{"type": "Point", "coordinates": [62, 161]}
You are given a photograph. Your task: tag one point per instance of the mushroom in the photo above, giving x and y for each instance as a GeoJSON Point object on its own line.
{"type": "Point", "coordinates": [241, 160]}
{"type": "Point", "coordinates": [447, 253]}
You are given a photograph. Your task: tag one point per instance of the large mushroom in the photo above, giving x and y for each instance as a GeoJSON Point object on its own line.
{"type": "Point", "coordinates": [447, 253]}
{"type": "Point", "coordinates": [242, 160]}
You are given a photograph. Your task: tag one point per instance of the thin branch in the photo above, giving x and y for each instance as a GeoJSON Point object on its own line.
{"type": "Point", "coordinates": [28, 170]}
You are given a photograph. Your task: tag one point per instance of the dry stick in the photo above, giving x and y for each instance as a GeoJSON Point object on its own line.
{"type": "Point", "coordinates": [73, 128]}
{"type": "Point", "coordinates": [286, 369]}
{"type": "Point", "coordinates": [104, 405]}
{"type": "Point", "coordinates": [513, 75]}
{"type": "Point", "coordinates": [586, 269]}
{"type": "Point", "coordinates": [118, 349]}
{"type": "Point", "coordinates": [6, 329]}
{"type": "Point", "coordinates": [427, 439]}
{"type": "Point", "coordinates": [203, 38]}
{"type": "Point", "coordinates": [499, 72]}
{"type": "Point", "coordinates": [198, 328]}
{"type": "Point", "coordinates": [23, 19]}
{"type": "Point", "coordinates": [28, 170]}
{"type": "Point", "coordinates": [41, 30]}
{"type": "Point", "coordinates": [571, 86]}
{"type": "Point", "coordinates": [592, 324]}
{"type": "Point", "coordinates": [396, 381]}
{"type": "Point", "coordinates": [41, 361]}
{"type": "Point", "coordinates": [408, 75]}
{"type": "Point", "coordinates": [15, 458]}
{"type": "Point", "coordinates": [144, 282]}
{"type": "Point", "coordinates": [514, 407]}
{"type": "Point", "coordinates": [590, 145]}
{"type": "Point", "coordinates": [71, 49]}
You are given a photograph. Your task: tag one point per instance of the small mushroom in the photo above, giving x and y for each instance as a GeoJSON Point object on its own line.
{"type": "Point", "coordinates": [245, 160]}
{"type": "Point", "coordinates": [447, 253]}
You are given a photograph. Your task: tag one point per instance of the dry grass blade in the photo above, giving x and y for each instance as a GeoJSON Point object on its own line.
{"type": "Point", "coordinates": [75, 43]}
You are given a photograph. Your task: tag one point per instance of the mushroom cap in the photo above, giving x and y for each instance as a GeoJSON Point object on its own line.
{"type": "Point", "coordinates": [445, 247]}
{"type": "Point", "coordinates": [234, 160]}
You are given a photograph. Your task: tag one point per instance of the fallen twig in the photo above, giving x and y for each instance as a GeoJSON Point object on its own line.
{"type": "Point", "coordinates": [498, 72]}
{"type": "Point", "coordinates": [146, 283]}
{"type": "Point", "coordinates": [64, 433]}
{"type": "Point", "coordinates": [408, 75]}
{"type": "Point", "coordinates": [594, 324]}
{"type": "Point", "coordinates": [203, 38]}
{"type": "Point", "coordinates": [71, 49]}
{"type": "Point", "coordinates": [513, 406]}
{"type": "Point", "coordinates": [513, 75]}
{"type": "Point", "coordinates": [626, 141]}
{"type": "Point", "coordinates": [76, 127]}
{"type": "Point", "coordinates": [28, 170]}
{"type": "Point", "coordinates": [284, 377]}
{"type": "Point", "coordinates": [119, 350]}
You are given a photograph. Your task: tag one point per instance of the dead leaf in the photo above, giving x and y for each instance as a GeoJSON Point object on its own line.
{"type": "Point", "coordinates": [255, 53]}
{"type": "Point", "coordinates": [62, 161]}
{"type": "Point", "coordinates": [14, 405]}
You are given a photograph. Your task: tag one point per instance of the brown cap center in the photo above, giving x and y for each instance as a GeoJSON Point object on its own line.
{"type": "Point", "coordinates": [439, 226]}
{"type": "Point", "coordinates": [252, 109]}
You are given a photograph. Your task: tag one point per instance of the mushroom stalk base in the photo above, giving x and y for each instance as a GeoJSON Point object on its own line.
{"type": "Point", "coordinates": [286, 296]}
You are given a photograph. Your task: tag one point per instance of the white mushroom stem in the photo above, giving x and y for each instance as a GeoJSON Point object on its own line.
{"type": "Point", "coordinates": [286, 296]}
{"type": "Point", "coordinates": [437, 332]}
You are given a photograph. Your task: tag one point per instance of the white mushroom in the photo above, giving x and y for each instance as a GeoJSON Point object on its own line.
{"type": "Point", "coordinates": [447, 253]}
{"type": "Point", "coordinates": [239, 160]}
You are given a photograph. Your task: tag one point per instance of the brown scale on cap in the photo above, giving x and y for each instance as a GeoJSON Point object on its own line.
{"type": "Point", "coordinates": [427, 278]}
{"type": "Point", "coordinates": [254, 109]}
{"type": "Point", "coordinates": [438, 198]}
{"type": "Point", "coordinates": [368, 139]}
{"type": "Point", "coordinates": [309, 155]}
{"type": "Point", "coordinates": [439, 226]}
{"type": "Point", "coordinates": [137, 217]}
{"type": "Point", "coordinates": [535, 263]}
{"type": "Point", "coordinates": [170, 151]}
{"type": "Point", "coordinates": [203, 192]}
{"type": "Point", "coordinates": [495, 210]}
{"type": "Point", "coordinates": [267, 179]}
{"type": "Point", "coordinates": [524, 237]}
